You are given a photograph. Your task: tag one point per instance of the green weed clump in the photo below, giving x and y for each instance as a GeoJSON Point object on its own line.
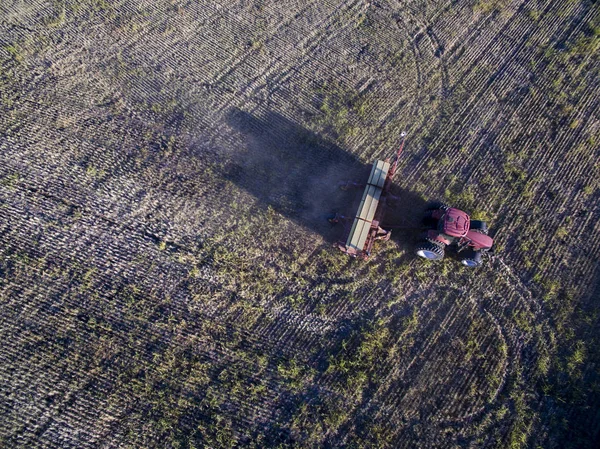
{"type": "Point", "coordinates": [359, 356]}
{"type": "Point", "coordinates": [489, 6]}
{"type": "Point", "coordinates": [15, 52]}
{"type": "Point", "coordinates": [341, 110]}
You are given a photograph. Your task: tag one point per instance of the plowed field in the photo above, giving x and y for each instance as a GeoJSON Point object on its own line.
{"type": "Point", "coordinates": [167, 275]}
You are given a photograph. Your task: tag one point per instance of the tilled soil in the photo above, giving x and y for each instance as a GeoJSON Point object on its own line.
{"type": "Point", "coordinates": [167, 275]}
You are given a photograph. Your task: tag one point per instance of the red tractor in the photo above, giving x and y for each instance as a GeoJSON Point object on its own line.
{"type": "Point", "coordinates": [449, 226]}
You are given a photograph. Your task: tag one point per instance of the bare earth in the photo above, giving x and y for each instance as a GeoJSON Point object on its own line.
{"type": "Point", "coordinates": [167, 276]}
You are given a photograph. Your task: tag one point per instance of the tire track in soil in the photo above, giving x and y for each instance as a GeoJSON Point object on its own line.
{"type": "Point", "coordinates": [434, 347]}
{"type": "Point", "coordinates": [480, 87]}
{"type": "Point", "coordinates": [509, 360]}
{"type": "Point", "coordinates": [477, 61]}
{"type": "Point", "coordinates": [112, 222]}
{"type": "Point", "coordinates": [419, 76]}
{"type": "Point", "coordinates": [458, 129]}
{"type": "Point", "coordinates": [292, 343]}
{"type": "Point", "coordinates": [398, 11]}
{"type": "Point", "coordinates": [284, 69]}
{"type": "Point", "coordinates": [505, 334]}
{"type": "Point", "coordinates": [521, 289]}
{"type": "Point", "coordinates": [424, 73]}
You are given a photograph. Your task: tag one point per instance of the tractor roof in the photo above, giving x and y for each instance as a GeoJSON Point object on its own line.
{"type": "Point", "coordinates": [456, 223]}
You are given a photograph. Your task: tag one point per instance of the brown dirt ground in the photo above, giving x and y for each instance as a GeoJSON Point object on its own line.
{"type": "Point", "coordinates": [167, 276]}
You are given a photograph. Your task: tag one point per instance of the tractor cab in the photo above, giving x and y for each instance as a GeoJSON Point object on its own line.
{"type": "Point", "coordinates": [450, 224]}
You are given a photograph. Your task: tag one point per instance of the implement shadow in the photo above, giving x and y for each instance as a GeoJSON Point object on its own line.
{"type": "Point", "coordinates": [293, 170]}
{"type": "Point", "coordinates": [297, 173]}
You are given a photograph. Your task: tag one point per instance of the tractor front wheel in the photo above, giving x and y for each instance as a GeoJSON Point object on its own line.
{"type": "Point", "coordinates": [430, 251]}
{"type": "Point", "coordinates": [471, 258]}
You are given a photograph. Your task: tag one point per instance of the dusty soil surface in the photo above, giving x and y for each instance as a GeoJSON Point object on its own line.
{"type": "Point", "coordinates": [167, 276]}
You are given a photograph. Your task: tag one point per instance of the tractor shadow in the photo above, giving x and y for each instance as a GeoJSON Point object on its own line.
{"type": "Point", "coordinates": [298, 174]}
{"type": "Point", "coordinates": [404, 217]}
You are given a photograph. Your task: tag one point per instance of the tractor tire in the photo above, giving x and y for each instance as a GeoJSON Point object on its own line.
{"type": "Point", "coordinates": [479, 226]}
{"type": "Point", "coordinates": [471, 258]}
{"type": "Point", "coordinates": [434, 205]}
{"type": "Point", "coordinates": [430, 251]}
{"type": "Point", "coordinates": [429, 222]}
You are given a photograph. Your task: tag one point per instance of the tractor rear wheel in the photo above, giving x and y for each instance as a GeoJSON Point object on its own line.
{"type": "Point", "coordinates": [479, 226]}
{"type": "Point", "coordinates": [471, 258]}
{"type": "Point", "coordinates": [436, 205]}
{"type": "Point", "coordinates": [430, 251]}
{"type": "Point", "coordinates": [429, 222]}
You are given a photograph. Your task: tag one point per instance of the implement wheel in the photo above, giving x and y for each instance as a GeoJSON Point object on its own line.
{"type": "Point", "coordinates": [430, 251]}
